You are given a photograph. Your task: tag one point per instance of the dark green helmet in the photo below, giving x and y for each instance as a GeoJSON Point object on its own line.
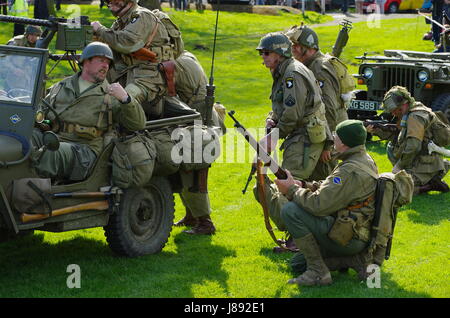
{"type": "Point", "coordinates": [276, 42]}
{"type": "Point", "coordinates": [96, 49]}
{"type": "Point", "coordinates": [32, 29]}
{"type": "Point", "coordinates": [304, 36]}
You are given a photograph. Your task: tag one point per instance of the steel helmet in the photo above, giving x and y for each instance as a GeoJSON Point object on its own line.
{"type": "Point", "coordinates": [276, 42]}
{"type": "Point", "coordinates": [32, 29]}
{"type": "Point", "coordinates": [304, 36]}
{"type": "Point", "coordinates": [396, 97]}
{"type": "Point", "coordinates": [96, 49]}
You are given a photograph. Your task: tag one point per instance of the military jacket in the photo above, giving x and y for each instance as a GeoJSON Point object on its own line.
{"type": "Point", "coordinates": [350, 184]}
{"type": "Point", "coordinates": [329, 84]}
{"type": "Point", "coordinates": [190, 79]}
{"type": "Point", "coordinates": [131, 32]}
{"type": "Point", "coordinates": [295, 95]}
{"type": "Point", "coordinates": [20, 40]}
{"type": "Point", "coordinates": [84, 109]}
{"type": "Point", "coordinates": [411, 145]}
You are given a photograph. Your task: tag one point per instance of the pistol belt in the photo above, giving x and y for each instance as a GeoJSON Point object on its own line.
{"type": "Point", "coordinates": [81, 130]}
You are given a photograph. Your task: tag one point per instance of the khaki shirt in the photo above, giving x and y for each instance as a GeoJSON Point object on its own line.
{"type": "Point", "coordinates": [131, 32]}
{"type": "Point", "coordinates": [329, 84]}
{"type": "Point", "coordinates": [295, 95]}
{"type": "Point", "coordinates": [84, 109]}
{"type": "Point", "coordinates": [348, 185]}
{"type": "Point", "coordinates": [190, 79]}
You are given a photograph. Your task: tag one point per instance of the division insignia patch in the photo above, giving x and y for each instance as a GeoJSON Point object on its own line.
{"type": "Point", "coordinates": [289, 82]}
{"type": "Point", "coordinates": [290, 101]}
{"type": "Point", "coordinates": [337, 180]}
{"type": "Point", "coordinates": [320, 84]}
{"type": "Point", "coordinates": [134, 20]}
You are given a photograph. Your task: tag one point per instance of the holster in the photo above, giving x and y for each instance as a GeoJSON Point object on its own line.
{"type": "Point", "coordinates": [167, 68]}
{"type": "Point", "coordinates": [144, 54]}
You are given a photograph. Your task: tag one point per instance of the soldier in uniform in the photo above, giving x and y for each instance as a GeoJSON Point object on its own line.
{"type": "Point", "coordinates": [409, 149]}
{"type": "Point", "coordinates": [139, 42]}
{"type": "Point", "coordinates": [306, 49]}
{"type": "Point", "coordinates": [80, 115]}
{"type": "Point", "coordinates": [313, 208]}
{"type": "Point", "coordinates": [190, 82]}
{"type": "Point", "coordinates": [298, 113]}
{"type": "Point", "coordinates": [28, 39]}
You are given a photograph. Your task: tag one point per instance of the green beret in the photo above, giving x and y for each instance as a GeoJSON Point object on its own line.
{"type": "Point", "coordinates": [352, 132]}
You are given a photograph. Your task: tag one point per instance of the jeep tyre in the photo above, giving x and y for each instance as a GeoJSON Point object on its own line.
{"type": "Point", "coordinates": [144, 221]}
{"type": "Point", "coordinates": [442, 103]}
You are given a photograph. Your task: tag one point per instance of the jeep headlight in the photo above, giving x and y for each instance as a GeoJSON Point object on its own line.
{"type": "Point", "coordinates": [422, 76]}
{"type": "Point", "coordinates": [368, 72]}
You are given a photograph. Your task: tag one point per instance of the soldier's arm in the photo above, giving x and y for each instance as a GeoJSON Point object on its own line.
{"type": "Point", "coordinates": [414, 137]}
{"type": "Point", "coordinates": [129, 115]}
{"type": "Point", "coordinates": [130, 39]}
{"type": "Point", "coordinates": [295, 95]}
{"type": "Point", "coordinates": [330, 96]}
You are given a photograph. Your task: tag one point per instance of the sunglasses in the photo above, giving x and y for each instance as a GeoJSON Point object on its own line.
{"type": "Point", "coordinates": [265, 53]}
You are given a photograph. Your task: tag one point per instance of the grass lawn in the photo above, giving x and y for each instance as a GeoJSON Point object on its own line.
{"type": "Point", "coordinates": [238, 260]}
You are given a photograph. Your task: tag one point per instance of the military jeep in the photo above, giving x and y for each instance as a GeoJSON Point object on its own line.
{"type": "Point", "coordinates": [425, 75]}
{"type": "Point", "coordinates": [137, 221]}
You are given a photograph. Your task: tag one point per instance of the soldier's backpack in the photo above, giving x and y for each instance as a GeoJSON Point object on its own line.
{"type": "Point", "coordinates": [133, 160]}
{"type": "Point", "coordinates": [393, 191]}
{"type": "Point", "coordinates": [346, 80]}
{"type": "Point", "coordinates": [440, 128]}
{"type": "Point", "coordinates": [174, 32]}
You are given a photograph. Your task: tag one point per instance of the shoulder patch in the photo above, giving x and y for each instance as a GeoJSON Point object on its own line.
{"type": "Point", "coordinates": [134, 19]}
{"type": "Point", "coordinates": [290, 101]}
{"type": "Point", "coordinates": [321, 83]}
{"type": "Point", "coordinates": [289, 82]}
{"type": "Point", "coordinates": [337, 180]}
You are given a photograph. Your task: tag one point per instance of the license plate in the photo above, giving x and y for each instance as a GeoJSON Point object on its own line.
{"type": "Point", "coordinates": [366, 105]}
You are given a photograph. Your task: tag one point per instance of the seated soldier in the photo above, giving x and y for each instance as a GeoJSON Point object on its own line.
{"type": "Point", "coordinates": [314, 208]}
{"type": "Point", "coordinates": [28, 39]}
{"type": "Point", "coordinates": [409, 148]}
{"type": "Point", "coordinates": [80, 108]}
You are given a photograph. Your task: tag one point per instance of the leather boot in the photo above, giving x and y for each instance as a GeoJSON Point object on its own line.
{"type": "Point", "coordinates": [187, 220]}
{"type": "Point", "coordinates": [423, 189]}
{"type": "Point", "coordinates": [204, 226]}
{"type": "Point", "coordinates": [317, 272]}
{"type": "Point", "coordinates": [439, 185]}
{"type": "Point", "coordinates": [342, 263]}
{"type": "Point", "coordinates": [290, 246]}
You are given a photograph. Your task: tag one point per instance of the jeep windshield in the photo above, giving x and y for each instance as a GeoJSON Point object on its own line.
{"type": "Point", "coordinates": [18, 76]}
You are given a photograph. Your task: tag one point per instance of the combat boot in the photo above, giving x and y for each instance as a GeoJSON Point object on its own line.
{"type": "Point", "coordinates": [317, 272]}
{"type": "Point", "coordinates": [439, 185]}
{"type": "Point", "coordinates": [187, 220]}
{"type": "Point", "coordinates": [343, 263]}
{"type": "Point", "coordinates": [423, 189]}
{"type": "Point", "coordinates": [203, 226]}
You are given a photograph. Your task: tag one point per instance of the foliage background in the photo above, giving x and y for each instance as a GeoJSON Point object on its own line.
{"type": "Point", "coordinates": [238, 260]}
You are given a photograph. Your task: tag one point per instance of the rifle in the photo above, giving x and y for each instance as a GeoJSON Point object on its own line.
{"type": "Point", "coordinates": [261, 153]}
{"type": "Point", "coordinates": [382, 124]}
{"type": "Point", "coordinates": [342, 38]}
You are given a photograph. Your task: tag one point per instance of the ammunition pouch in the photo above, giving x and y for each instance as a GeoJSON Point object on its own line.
{"type": "Point", "coordinates": [316, 126]}
{"type": "Point", "coordinates": [163, 53]}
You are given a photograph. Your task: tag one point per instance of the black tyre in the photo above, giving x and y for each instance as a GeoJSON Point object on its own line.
{"type": "Point", "coordinates": [442, 103]}
{"type": "Point", "coordinates": [144, 221]}
{"type": "Point", "coordinates": [393, 8]}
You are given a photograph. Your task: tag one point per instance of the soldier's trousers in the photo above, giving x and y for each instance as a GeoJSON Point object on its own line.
{"type": "Point", "coordinates": [195, 201]}
{"type": "Point", "coordinates": [300, 223]}
{"type": "Point", "coordinates": [300, 158]}
{"type": "Point", "coordinates": [70, 162]}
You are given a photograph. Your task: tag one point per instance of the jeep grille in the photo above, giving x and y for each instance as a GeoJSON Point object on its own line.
{"type": "Point", "coordinates": [402, 76]}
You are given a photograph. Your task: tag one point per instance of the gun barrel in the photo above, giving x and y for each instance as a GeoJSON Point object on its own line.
{"type": "Point", "coordinates": [20, 20]}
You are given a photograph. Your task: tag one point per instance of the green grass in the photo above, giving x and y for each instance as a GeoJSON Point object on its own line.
{"type": "Point", "coordinates": [238, 260]}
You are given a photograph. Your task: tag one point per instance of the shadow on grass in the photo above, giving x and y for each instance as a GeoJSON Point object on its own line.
{"type": "Point", "coordinates": [430, 209]}
{"type": "Point", "coordinates": [32, 267]}
{"type": "Point", "coordinates": [345, 284]}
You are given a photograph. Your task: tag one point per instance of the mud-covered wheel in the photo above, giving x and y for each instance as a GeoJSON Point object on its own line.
{"type": "Point", "coordinates": [442, 103]}
{"type": "Point", "coordinates": [144, 221]}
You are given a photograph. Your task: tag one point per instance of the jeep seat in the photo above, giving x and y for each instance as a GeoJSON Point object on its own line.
{"type": "Point", "coordinates": [13, 147]}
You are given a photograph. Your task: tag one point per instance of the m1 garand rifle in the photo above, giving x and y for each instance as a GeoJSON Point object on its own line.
{"type": "Point", "coordinates": [263, 159]}
{"type": "Point", "coordinates": [382, 124]}
{"type": "Point", "coordinates": [71, 35]}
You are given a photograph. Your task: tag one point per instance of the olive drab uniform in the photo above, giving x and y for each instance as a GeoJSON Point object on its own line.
{"type": "Point", "coordinates": [20, 40]}
{"type": "Point", "coordinates": [297, 108]}
{"type": "Point", "coordinates": [139, 27]}
{"type": "Point", "coordinates": [336, 111]}
{"type": "Point", "coordinates": [348, 192]}
{"type": "Point", "coordinates": [409, 150]}
{"type": "Point", "coordinates": [83, 119]}
{"type": "Point", "coordinates": [190, 83]}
